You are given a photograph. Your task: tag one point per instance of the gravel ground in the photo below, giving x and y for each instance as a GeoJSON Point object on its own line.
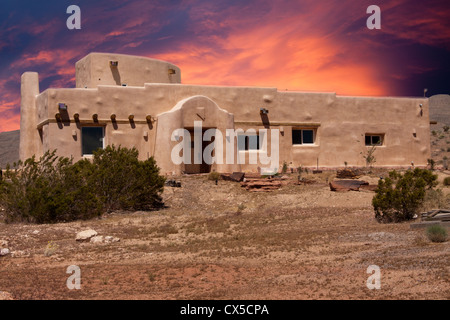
{"type": "Point", "coordinates": [223, 242]}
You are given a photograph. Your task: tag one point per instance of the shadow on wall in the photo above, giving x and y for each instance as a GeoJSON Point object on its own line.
{"type": "Point", "coordinates": [265, 120]}
{"type": "Point", "coordinates": [116, 75]}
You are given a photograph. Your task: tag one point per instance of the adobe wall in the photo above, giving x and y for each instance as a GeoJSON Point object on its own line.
{"type": "Point", "coordinates": [341, 122]}
{"type": "Point", "coordinates": [153, 89]}
{"type": "Point", "coordinates": [95, 69]}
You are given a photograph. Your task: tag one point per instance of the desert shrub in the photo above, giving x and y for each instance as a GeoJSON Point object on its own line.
{"type": "Point", "coordinates": [241, 207]}
{"type": "Point", "coordinates": [398, 197]}
{"type": "Point", "coordinates": [50, 249]}
{"type": "Point", "coordinates": [53, 189]}
{"type": "Point", "coordinates": [369, 156]}
{"type": "Point", "coordinates": [434, 199]}
{"type": "Point", "coordinates": [121, 181]}
{"type": "Point", "coordinates": [431, 163]}
{"type": "Point", "coordinates": [284, 168]}
{"type": "Point", "coordinates": [446, 181]}
{"type": "Point", "coordinates": [47, 190]}
{"type": "Point", "coordinates": [213, 175]}
{"type": "Point", "coordinates": [437, 233]}
{"type": "Point", "coordinates": [446, 128]}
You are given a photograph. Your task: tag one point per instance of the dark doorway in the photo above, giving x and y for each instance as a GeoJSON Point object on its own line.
{"type": "Point", "coordinates": [198, 168]}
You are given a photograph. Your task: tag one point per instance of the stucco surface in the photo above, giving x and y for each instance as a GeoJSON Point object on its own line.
{"type": "Point", "coordinates": [340, 122]}
{"type": "Point", "coordinates": [95, 69]}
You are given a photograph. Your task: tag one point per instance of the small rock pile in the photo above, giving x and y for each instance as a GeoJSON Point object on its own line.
{"type": "Point", "coordinates": [92, 236]}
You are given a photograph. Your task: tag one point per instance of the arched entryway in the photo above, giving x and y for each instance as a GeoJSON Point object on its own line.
{"type": "Point", "coordinates": [184, 115]}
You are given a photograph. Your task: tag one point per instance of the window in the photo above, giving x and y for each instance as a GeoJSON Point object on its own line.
{"type": "Point", "coordinates": [249, 142]}
{"type": "Point", "coordinates": [303, 136]}
{"type": "Point", "coordinates": [374, 139]}
{"type": "Point", "coordinates": [91, 139]}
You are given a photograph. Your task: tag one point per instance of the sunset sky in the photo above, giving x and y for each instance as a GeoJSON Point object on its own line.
{"type": "Point", "coordinates": [302, 45]}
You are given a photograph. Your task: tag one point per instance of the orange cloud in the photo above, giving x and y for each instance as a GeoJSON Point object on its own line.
{"type": "Point", "coordinates": [277, 55]}
{"type": "Point", "coordinates": [295, 45]}
{"type": "Point", "coordinates": [10, 123]}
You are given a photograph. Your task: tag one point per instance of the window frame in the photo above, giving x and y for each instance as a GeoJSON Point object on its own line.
{"type": "Point", "coordinates": [89, 155]}
{"type": "Point", "coordinates": [371, 135]}
{"type": "Point", "coordinates": [247, 142]}
{"type": "Point", "coordinates": [314, 136]}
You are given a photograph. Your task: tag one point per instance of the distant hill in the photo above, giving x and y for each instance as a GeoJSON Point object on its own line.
{"type": "Point", "coordinates": [440, 109]}
{"type": "Point", "coordinates": [9, 147]}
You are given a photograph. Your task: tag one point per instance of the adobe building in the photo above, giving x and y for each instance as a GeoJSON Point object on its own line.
{"type": "Point", "coordinates": [139, 102]}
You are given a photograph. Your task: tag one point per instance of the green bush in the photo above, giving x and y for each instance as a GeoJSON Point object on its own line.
{"type": "Point", "coordinates": [437, 233]}
{"type": "Point", "coordinates": [213, 175]}
{"type": "Point", "coordinates": [369, 156]}
{"type": "Point", "coordinates": [447, 181]}
{"type": "Point", "coordinates": [122, 182]}
{"type": "Point", "coordinates": [53, 189]}
{"type": "Point", "coordinates": [398, 197]}
{"type": "Point", "coordinates": [284, 169]}
{"type": "Point", "coordinates": [47, 190]}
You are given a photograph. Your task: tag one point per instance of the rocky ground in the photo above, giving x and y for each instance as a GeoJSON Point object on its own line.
{"type": "Point", "coordinates": [223, 242]}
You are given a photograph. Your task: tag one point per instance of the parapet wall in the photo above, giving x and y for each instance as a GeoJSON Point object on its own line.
{"type": "Point", "coordinates": [123, 70]}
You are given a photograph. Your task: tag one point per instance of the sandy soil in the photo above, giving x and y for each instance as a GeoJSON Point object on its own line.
{"type": "Point", "coordinates": [223, 242]}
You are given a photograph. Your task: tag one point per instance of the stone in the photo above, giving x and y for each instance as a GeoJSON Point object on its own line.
{"type": "Point", "coordinates": [111, 239]}
{"type": "Point", "coordinates": [97, 239]}
{"type": "Point", "coordinates": [348, 174]}
{"type": "Point", "coordinates": [235, 176]}
{"type": "Point", "coordinates": [86, 235]}
{"type": "Point", "coordinates": [4, 252]}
